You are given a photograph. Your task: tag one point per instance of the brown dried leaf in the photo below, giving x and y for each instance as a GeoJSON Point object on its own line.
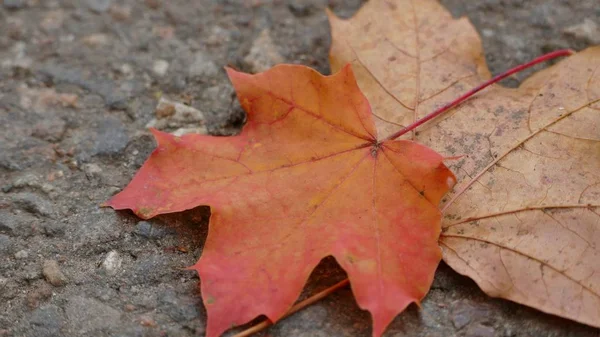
{"type": "Point", "coordinates": [527, 226]}
{"type": "Point", "coordinates": [405, 56]}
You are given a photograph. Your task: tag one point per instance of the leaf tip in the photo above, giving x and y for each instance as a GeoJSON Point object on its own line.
{"type": "Point", "coordinates": [347, 72]}
{"type": "Point", "coordinates": [163, 138]}
{"type": "Point", "coordinates": [105, 204]}
{"type": "Point", "coordinates": [145, 212]}
{"type": "Point", "coordinates": [230, 71]}
{"type": "Point", "coordinates": [194, 267]}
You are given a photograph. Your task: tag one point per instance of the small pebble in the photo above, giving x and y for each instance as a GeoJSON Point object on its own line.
{"type": "Point", "coordinates": [31, 272]}
{"type": "Point", "coordinates": [36, 296]}
{"type": "Point", "coordinates": [480, 330]}
{"type": "Point", "coordinates": [95, 40]}
{"type": "Point", "coordinates": [53, 20]}
{"type": "Point", "coordinates": [53, 274]}
{"type": "Point", "coordinates": [147, 321]}
{"type": "Point", "coordinates": [34, 204]}
{"type": "Point", "coordinates": [174, 115]}
{"type": "Point", "coordinates": [112, 262]}
{"type": "Point", "coordinates": [145, 229]}
{"type": "Point", "coordinates": [126, 69]}
{"type": "Point", "coordinates": [8, 222]}
{"type": "Point", "coordinates": [22, 254]}
{"type": "Point", "coordinates": [120, 13]}
{"type": "Point", "coordinates": [263, 53]}
{"type": "Point", "coordinates": [160, 67]}
{"type": "Point", "coordinates": [91, 170]}
{"type": "Point", "coordinates": [98, 6]}
{"type": "Point", "coordinates": [300, 8]}
{"type": "Point", "coordinates": [5, 243]}
{"type": "Point", "coordinates": [203, 66]}
{"type": "Point", "coordinates": [588, 30]}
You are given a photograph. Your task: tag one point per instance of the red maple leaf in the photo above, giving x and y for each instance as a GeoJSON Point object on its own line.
{"type": "Point", "coordinates": [306, 178]}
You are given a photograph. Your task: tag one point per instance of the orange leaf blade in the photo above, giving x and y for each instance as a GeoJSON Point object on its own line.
{"type": "Point", "coordinates": [305, 179]}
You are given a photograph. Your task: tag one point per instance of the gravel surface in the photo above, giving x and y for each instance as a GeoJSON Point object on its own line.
{"type": "Point", "coordinates": [79, 84]}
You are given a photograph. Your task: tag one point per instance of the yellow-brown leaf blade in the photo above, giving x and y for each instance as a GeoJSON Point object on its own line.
{"type": "Point", "coordinates": [528, 227]}
{"type": "Point", "coordinates": [405, 53]}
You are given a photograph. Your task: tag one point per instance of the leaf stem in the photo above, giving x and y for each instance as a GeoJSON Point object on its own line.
{"type": "Point", "coordinates": [318, 296]}
{"type": "Point", "coordinates": [298, 306]}
{"type": "Point", "coordinates": [444, 108]}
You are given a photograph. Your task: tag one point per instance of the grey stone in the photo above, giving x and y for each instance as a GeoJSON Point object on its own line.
{"type": "Point", "coordinates": [464, 313]}
{"type": "Point", "coordinates": [14, 4]}
{"type": "Point", "coordinates": [107, 137]}
{"type": "Point", "coordinates": [98, 6]}
{"type": "Point", "coordinates": [53, 20]}
{"type": "Point", "coordinates": [8, 222]}
{"type": "Point", "coordinates": [150, 231]}
{"type": "Point", "coordinates": [460, 319]}
{"type": "Point", "coordinates": [22, 254]}
{"type": "Point", "coordinates": [302, 8]}
{"type": "Point", "coordinates": [160, 67]}
{"type": "Point", "coordinates": [8, 162]}
{"type": "Point", "coordinates": [316, 314]}
{"type": "Point", "coordinates": [112, 262]}
{"type": "Point", "coordinates": [32, 272]}
{"type": "Point", "coordinates": [86, 315]}
{"type": "Point", "coordinates": [95, 229]}
{"type": "Point", "coordinates": [19, 59]}
{"type": "Point", "coordinates": [180, 309]}
{"type": "Point", "coordinates": [479, 330]}
{"type": "Point", "coordinates": [219, 98]}
{"type": "Point", "coordinates": [588, 30]}
{"type": "Point", "coordinates": [144, 228]}
{"type": "Point", "coordinates": [5, 243]}
{"type": "Point", "coordinates": [176, 82]}
{"type": "Point", "coordinates": [91, 170]}
{"type": "Point", "coordinates": [111, 137]}
{"type": "Point", "coordinates": [53, 228]}
{"type": "Point", "coordinates": [113, 97]}
{"type": "Point", "coordinates": [263, 53]}
{"type": "Point", "coordinates": [34, 204]}
{"type": "Point", "coordinates": [541, 15]}
{"type": "Point", "coordinates": [50, 129]}
{"type": "Point", "coordinates": [104, 294]}
{"type": "Point", "coordinates": [96, 40]}
{"type": "Point", "coordinates": [172, 115]}
{"type": "Point", "coordinates": [32, 181]}
{"type": "Point", "coordinates": [38, 295]}
{"type": "Point", "coordinates": [53, 274]}
{"type": "Point", "coordinates": [202, 66]}
{"type": "Point", "coordinates": [46, 321]}
{"type": "Point", "coordinates": [149, 268]}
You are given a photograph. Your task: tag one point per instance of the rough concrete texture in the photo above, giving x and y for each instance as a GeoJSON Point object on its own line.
{"type": "Point", "coordinates": [79, 82]}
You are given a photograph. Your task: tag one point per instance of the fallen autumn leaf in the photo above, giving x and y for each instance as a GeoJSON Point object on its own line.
{"type": "Point", "coordinates": [524, 220]}
{"type": "Point", "coordinates": [306, 178]}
